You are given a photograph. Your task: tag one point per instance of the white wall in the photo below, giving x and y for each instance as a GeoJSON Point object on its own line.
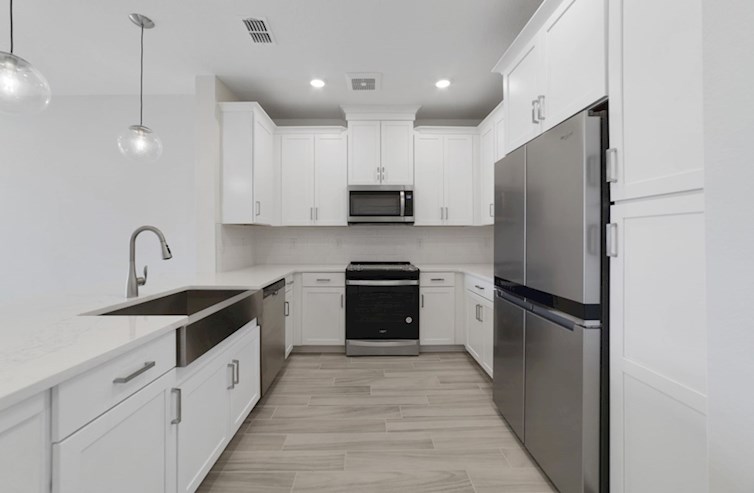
{"type": "Point", "coordinates": [321, 245]}
{"type": "Point", "coordinates": [729, 127]}
{"type": "Point", "coordinates": [69, 201]}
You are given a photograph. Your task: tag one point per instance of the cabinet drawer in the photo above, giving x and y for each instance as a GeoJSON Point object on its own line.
{"type": "Point", "coordinates": [485, 289]}
{"type": "Point", "coordinates": [84, 397]}
{"type": "Point", "coordinates": [323, 279]}
{"type": "Point", "coordinates": [429, 279]}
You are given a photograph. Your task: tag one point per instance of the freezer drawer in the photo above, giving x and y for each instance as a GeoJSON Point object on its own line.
{"type": "Point", "coordinates": [563, 210]}
{"type": "Point", "coordinates": [561, 421]}
{"type": "Point", "coordinates": [508, 366]}
{"type": "Point", "coordinates": [510, 208]}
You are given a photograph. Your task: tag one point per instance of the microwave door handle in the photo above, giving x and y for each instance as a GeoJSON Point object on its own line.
{"type": "Point", "coordinates": [403, 203]}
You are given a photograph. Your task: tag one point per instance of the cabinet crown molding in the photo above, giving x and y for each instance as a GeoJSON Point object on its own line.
{"type": "Point", "coordinates": [333, 129]}
{"type": "Point", "coordinates": [529, 32]}
{"type": "Point", "coordinates": [380, 112]}
{"type": "Point", "coordinates": [442, 130]}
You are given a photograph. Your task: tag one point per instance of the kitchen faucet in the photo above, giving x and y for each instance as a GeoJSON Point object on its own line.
{"type": "Point", "coordinates": [132, 287]}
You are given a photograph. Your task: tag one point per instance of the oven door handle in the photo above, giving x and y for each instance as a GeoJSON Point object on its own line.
{"type": "Point", "coordinates": [404, 282]}
{"type": "Point", "coordinates": [403, 203]}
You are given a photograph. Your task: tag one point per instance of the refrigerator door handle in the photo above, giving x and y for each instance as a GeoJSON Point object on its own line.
{"type": "Point", "coordinates": [611, 237]}
{"type": "Point", "coordinates": [515, 300]}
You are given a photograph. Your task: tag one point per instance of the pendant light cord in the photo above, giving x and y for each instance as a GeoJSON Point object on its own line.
{"type": "Point", "coordinates": [11, 26]}
{"type": "Point", "coordinates": [141, 80]}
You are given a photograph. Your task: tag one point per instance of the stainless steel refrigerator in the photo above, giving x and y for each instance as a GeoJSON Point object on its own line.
{"type": "Point", "coordinates": [549, 206]}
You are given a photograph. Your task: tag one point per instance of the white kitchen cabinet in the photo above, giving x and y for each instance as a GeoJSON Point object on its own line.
{"type": "Point", "coordinates": [498, 121]}
{"type": "Point", "coordinates": [380, 152]}
{"type": "Point", "coordinates": [437, 316]}
{"type": "Point", "coordinates": [658, 345]}
{"type": "Point", "coordinates": [314, 178]}
{"type": "Point", "coordinates": [480, 330]}
{"type": "Point", "coordinates": [656, 100]}
{"type": "Point", "coordinates": [522, 87]}
{"type": "Point", "coordinates": [323, 316]}
{"type": "Point", "coordinates": [129, 448]}
{"type": "Point", "coordinates": [575, 60]}
{"type": "Point", "coordinates": [330, 179]}
{"type": "Point", "coordinates": [554, 69]}
{"type": "Point", "coordinates": [444, 178]}
{"type": "Point", "coordinates": [364, 144]}
{"type": "Point", "coordinates": [297, 177]}
{"type": "Point", "coordinates": [290, 316]}
{"type": "Point", "coordinates": [214, 399]}
{"type": "Point", "coordinates": [397, 152]}
{"type": "Point", "coordinates": [25, 446]}
{"type": "Point", "coordinates": [248, 165]}
{"type": "Point", "coordinates": [486, 185]}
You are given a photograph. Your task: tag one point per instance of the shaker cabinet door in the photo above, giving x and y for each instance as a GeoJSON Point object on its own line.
{"type": "Point", "coordinates": [297, 170]}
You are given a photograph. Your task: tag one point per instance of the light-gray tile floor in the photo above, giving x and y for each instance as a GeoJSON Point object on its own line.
{"type": "Point", "coordinates": [335, 424]}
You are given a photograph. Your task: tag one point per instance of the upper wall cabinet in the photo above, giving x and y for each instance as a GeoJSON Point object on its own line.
{"type": "Point", "coordinates": [444, 185]}
{"type": "Point", "coordinates": [555, 68]}
{"type": "Point", "coordinates": [654, 70]}
{"type": "Point", "coordinates": [313, 168]}
{"type": "Point", "coordinates": [248, 165]}
{"type": "Point", "coordinates": [380, 145]}
{"type": "Point", "coordinates": [491, 150]}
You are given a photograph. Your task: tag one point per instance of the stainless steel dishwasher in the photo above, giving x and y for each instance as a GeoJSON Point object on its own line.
{"type": "Point", "coordinates": [273, 332]}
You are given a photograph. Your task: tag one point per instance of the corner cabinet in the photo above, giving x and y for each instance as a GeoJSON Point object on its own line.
{"type": "Point", "coordinates": [491, 150]}
{"type": "Point", "coordinates": [313, 164]}
{"type": "Point", "coordinates": [555, 68]}
{"type": "Point", "coordinates": [444, 176]}
{"type": "Point", "coordinates": [248, 165]}
{"type": "Point", "coordinates": [25, 446]}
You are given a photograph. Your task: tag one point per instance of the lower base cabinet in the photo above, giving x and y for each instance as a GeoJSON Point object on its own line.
{"type": "Point", "coordinates": [437, 316]}
{"type": "Point", "coordinates": [166, 436]}
{"type": "Point", "coordinates": [129, 448]}
{"type": "Point", "coordinates": [323, 316]}
{"type": "Point", "coordinates": [25, 446]}
{"type": "Point", "coordinates": [213, 403]}
{"type": "Point", "coordinates": [479, 330]}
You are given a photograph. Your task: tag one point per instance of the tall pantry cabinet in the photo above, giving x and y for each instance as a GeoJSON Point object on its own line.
{"type": "Point", "coordinates": [658, 333]}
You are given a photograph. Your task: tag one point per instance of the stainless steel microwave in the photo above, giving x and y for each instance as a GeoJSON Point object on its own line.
{"type": "Point", "coordinates": [380, 204]}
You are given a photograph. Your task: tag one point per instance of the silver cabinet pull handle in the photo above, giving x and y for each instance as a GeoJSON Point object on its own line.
{"type": "Point", "coordinates": [341, 300]}
{"type": "Point", "coordinates": [287, 309]}
{"type": "Point", "coordinates": [481, 313]}
{"type": "Point", "coordinates": [476, 314]}
{"type": "Point", "coordinates": [259, 207]}
{"type": "Point", "coordinates": [324, 280]}
{"type": "Point", "coordinates": [232, 376]}
{"type": "Point", "coordinates": [311, 213]}
{"type": "Point", "coordinates": [437, 279]}
{"type": "Point", "coordinates": [611, 173]}
{"type": "Point", "coordinates": [492, 210]}
{"type": "Point", "coordinates": [377, 176]}
{"type": "Point", "coordinates": [479, 287]}
{"type": "Point", "coordinates": [384, 174]}
{"type": "Point", "coordinates": [534, 112]}
{"type": "Point", "coordinates": [442, 213]}
{"type": "Point", "coordinates": [541, 108]}
{"type": "Point", "coordinates": [422, 301]}
{"type": "Point", "coordinates": [447, 214]}
{"type": "Point", "coordinates": [237, 372]}
{"type": "Point", "coordinates": [316, 213]}
{"type": "Point", "coordinates": [611, 236]}
{"type": "Point", "coordinates": [178, 407]}
{"type": "Point", "coordinates": [147, 366]}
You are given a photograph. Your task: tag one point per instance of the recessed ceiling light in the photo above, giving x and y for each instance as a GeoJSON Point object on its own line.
{"type": "Point", "coordinates": [442, 83]}
{"type": "Point", "coordinates": [318, 83]}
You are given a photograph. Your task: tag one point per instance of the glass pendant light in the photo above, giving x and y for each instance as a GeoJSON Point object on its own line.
{"type": "Point", "coordinates": [138, 142]}
{"type": "Point", "coordinates": [23, 89]}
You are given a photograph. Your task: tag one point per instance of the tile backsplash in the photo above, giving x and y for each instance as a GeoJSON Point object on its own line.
{"type": "Point", "coordinates": [323, 245]}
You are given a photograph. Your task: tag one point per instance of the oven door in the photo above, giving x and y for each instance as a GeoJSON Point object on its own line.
{"type": "Point", "coordinates": [382, 310]}
{"type": "Point", "coordinates": [377, 204]}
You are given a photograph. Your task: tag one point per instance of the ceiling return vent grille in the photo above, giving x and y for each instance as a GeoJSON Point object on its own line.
{"type": "Point", "coordinates": [364, 82]}
{"type": "Point", "coordinates": [258, 30]}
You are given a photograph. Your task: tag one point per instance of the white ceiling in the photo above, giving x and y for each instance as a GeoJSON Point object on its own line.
{"type": "Point", "coordinates": [90, 47]}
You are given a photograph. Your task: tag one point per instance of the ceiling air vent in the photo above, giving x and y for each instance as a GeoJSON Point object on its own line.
{"type": "Point", "coordinates": [364, 82]}
{"type": "Point", "coordinates": [258, 30]}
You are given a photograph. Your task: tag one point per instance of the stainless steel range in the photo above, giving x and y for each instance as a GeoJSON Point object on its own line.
{"type": "Point", "coordinates": [382, 309]}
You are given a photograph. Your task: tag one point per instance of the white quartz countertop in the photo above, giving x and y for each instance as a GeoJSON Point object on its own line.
{"type": "Point", "coordinates": [46, 341]}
